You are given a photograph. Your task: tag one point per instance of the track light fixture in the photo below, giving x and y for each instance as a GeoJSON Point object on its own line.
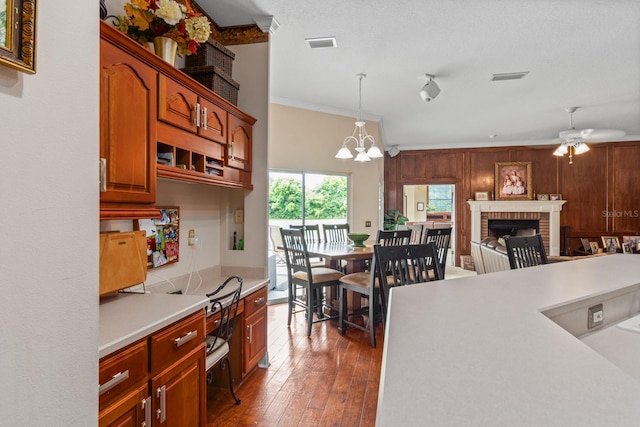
{"type": "Point", "coordinates": [430, 90]}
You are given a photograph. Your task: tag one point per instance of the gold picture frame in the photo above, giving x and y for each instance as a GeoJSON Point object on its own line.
{"type": "Point", "coordinates": [555, 197]}
{"type": "Point", "coordinates": [513, 181]}
{"type": "Point", "coordinates": [18, 43]}
{"type": "Point", "coordinates": [482, 195]}
{"type": "Point", "coordinates": [610, 241]}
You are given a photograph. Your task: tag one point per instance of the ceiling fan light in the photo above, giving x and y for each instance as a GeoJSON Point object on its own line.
{"type": "Point", "coordinates": [560, 151]}
{"type": "Point", "coordinates": [580, 148]}
{"type": "Point", "coordinates": [344, 153]}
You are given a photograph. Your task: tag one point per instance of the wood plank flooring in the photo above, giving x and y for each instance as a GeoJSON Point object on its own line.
{"type": "Point", "coordinates": [323, 380]}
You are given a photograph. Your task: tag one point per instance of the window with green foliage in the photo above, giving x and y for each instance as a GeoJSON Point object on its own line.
{"type": "Point", "coordinates": [324, 197]}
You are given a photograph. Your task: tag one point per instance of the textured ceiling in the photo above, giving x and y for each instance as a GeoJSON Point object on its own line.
{"type": "Point", "coordinates": [583, 53]}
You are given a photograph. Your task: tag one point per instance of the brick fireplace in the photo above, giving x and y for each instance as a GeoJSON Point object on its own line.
{"type": "Point", "coordinates": [546, 213]}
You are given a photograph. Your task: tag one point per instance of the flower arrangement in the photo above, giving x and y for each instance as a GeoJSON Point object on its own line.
{"type": "Point", "coordinates": [175, 19]}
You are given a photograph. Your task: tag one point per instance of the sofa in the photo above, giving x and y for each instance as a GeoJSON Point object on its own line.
{"type": "Point", "coordinates": [490, 255]}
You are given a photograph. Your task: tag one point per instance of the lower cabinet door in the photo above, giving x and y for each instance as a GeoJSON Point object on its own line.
{"type": "Point", "coordinates": [179, 392]}
{"type": "Point", "coordinates": [130, 410]}
{"type": "Point", "coordinates": [255, 344]}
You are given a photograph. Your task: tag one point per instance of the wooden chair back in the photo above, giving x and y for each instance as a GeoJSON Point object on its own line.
{"type": "Point", "coordinates": [335, 232]}
{"type": "Point", "coordinates": [525, 251]}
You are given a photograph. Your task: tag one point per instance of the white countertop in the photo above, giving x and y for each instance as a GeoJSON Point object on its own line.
{"type": "Point", "coordinates": [478, 351]}
{"type": "Point", "coordinates": [128, 317]}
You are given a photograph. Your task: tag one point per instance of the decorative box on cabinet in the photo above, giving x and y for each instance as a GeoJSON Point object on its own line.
{"type": "Point", "coordinates": [127, 134]}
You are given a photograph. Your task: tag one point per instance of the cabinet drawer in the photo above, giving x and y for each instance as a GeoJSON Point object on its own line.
{"type": "Point", "coordinates": [255, 301]}
{"type": "Point", "coordinates": [121, 371]}
{"type": "Point", "coordinates": [176, 341]}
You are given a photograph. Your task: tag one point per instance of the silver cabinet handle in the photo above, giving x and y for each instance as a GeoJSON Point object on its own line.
{"type": "Point", "coordinates": [161, 413]}
{"type": "Point", "coordinates": [250, 335]}
{"type": "Point", "coordinates": [231, 156]}
{"type": "Point", "coordinates": [204, 118]}
{"type": "Point", "coordinates": [146, 407]}
{"type": "Point", "coordinates": [258, 301]}
{"type": "Point", "coordinates": [103, 174]}
{"type": "Point", "coordinates": [196, 111]}
{"type": "Point", "coordinates": [185, 339]}
{"type": "Point", "coordinates": [114, 381]}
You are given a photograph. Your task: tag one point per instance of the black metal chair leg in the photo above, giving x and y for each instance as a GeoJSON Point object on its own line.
{"type": "Point", "coordinates": [226, 362]}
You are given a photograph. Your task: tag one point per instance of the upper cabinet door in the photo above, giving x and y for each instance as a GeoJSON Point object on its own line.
{"type": "Point", "coordinates": [239, 145]}
{"type": "Point", "coordinates": [177, 105]}
{"type": "Point", "coordinates": [213, 124]}
{"type": "Point", "coordinates": [127, 127]}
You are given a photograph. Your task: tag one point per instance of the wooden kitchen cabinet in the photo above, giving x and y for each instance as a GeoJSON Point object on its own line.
{"type": "Point", "coordinates": [255, 329]}
{"type": "Point", "coordinates": [131, 410]}
{"type": "Point", "coordinates": [190, 111]}
{"type": "Point", "coordinates": [179, 392]}
{"type": "Point", "coordinates": [127, 134]}
{"type": "Point", "coordinates": [239, 145]}
{"type": "Point", "coordinates": [159, 380]}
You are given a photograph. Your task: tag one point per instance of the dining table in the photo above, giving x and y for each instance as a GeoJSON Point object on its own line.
{"type": "Point", "coordinates": [355, 261]}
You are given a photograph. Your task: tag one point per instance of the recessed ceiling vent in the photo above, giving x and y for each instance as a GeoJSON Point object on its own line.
{"type": "Point", "coordinates": [508, 76]}
{"type": "Point", "coordinates": [322, 42]}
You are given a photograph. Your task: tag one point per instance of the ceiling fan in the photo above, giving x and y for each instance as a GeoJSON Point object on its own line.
{"type": "Point", "coordinates": [572, 140]}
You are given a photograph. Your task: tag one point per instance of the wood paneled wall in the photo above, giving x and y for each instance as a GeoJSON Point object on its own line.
{"type": "Point", "coordinates": [601, 186]}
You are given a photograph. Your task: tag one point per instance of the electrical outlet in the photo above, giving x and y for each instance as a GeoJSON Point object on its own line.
{"type": "Point", "coordinates": [192, 237]}
{"type": "Point", "coordinates": [367, 223]}
{"type": "Point", "coordinates": [596, 316]}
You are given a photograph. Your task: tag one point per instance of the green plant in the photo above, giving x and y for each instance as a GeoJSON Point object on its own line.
{"type": "Point", "coordinates": [393, 218]}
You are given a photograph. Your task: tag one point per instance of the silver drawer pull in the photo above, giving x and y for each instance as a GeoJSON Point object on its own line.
{"type": "Point", "coordinates": [161, 413]}
{"type": "Point", "coordinates": [146, 407]}
{"type": "Point", "coordinates": [103, 175]}
{"type": "Point", "coordinates": [258, 301]}
{"type": "Point", "coordinates": [185, 339]}
{"type": "Point", "coordinates": [114, 381]}
{"type": "Point", "coordinates": [196, 113]}
{"type": "Point", "coordinates": [204, 118]}
{"type": "Point", "coordinates": [217, 322]}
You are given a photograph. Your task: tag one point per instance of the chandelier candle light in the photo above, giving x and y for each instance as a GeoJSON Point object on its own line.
{"type": "Point", "coordinates": [360, 136]}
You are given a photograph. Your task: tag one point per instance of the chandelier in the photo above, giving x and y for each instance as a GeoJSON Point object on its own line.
{"type": "Point", "coordinates": [360, 136]}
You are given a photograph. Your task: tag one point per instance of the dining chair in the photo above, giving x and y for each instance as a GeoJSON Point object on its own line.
{"type": "Point", "coordinates": [441, 237]}
{"type": "Point", "coordinates": [311, 232]}
{"type": "Point", "coordinates": [393, 237]}
{"type": "Point", "coordinates": [311, 280]}
{"type": "Point", "coordinates": [525, 251]}
{"type": "Point", "coordinates": [275, 240]}
{"type": "Point", "coordinates": [335, 232]}
{"type": "Point", "coordinates": [364, 284]}
{"type": "Point", "coordinates": [416, 234]}
{"type": "Point", "coordinates": [404, 265]}
{"type": "Point", "coordinates": [224, 305]}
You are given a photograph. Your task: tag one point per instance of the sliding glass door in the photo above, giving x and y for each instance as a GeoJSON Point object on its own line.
{"type": "Point", "coordinates": [307, 198]}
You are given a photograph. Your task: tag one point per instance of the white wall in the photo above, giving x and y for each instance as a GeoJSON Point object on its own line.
{"type": "Point", "coordinates": [308, 140]}
{"type": "Point", "coordinates": [49, 207]}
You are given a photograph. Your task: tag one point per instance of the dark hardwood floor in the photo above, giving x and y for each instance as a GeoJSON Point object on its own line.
{"type": "Point", "coordinates": [324, 380]}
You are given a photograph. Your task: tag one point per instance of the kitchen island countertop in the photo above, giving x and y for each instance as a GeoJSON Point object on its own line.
{"type": "Point", "coordinates": [479, 351]}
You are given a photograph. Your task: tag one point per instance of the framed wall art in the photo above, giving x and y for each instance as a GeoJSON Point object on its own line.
{"type": "Point", "coordinates": [162, 236]}
{"type": "Point", "coordinates": [420, 206]}
{"type": "Point", "coordinates": [513, 181]}
{"type": "Point", "coordinates": [482, 195]}
{"type": "Point", "coordinates": [18, 34]}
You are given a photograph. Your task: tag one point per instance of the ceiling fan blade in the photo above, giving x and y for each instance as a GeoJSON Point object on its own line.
{"type": "Point", "coordinates": [601, 134]}
{"type": "Point", "coordinates": [569, 134]}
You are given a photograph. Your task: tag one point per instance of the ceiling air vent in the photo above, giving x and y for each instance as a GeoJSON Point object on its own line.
{"type": "Point", "coordinates": [322, 42]}
{"type": "Point", "coordinates": [508, 76]}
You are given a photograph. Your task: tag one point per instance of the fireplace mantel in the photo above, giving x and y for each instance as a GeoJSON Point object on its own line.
{"type": "Point", "coordinates": [552, 207]}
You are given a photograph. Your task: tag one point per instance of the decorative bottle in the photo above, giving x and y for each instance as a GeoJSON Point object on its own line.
{"type": "Point", "coordinates": [234, 242]}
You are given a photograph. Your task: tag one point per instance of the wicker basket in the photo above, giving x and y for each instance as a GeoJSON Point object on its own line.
{"type": "Point", "coordinates": [212, 53]}
{"type": "Point", "coordinates": [216, 80]}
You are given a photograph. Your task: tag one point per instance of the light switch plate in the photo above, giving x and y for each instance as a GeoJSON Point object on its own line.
{"type": "Point", "coordinates": [239, 216]}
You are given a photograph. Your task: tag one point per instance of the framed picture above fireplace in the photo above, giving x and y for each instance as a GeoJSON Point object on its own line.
{"type": "Point", "coordinates": [513, 181]}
